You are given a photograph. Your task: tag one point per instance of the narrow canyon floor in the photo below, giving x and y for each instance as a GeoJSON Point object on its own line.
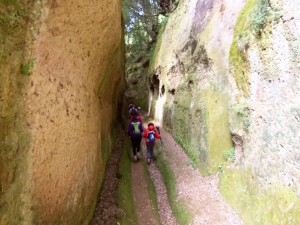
{"type": "Point", "coordinates": [198, 194]}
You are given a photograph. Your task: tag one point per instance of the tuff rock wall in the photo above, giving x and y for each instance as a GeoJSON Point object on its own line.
{"type": "Point", "coordinates": [225, 76]}
{"type": "Point", "coordinates": [62, 77]}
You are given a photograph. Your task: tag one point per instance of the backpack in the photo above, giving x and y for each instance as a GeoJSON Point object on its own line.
{"type": "Point", "coordinates": [136, 127]}
{"type": "Point", "coordinates": [151, 137]}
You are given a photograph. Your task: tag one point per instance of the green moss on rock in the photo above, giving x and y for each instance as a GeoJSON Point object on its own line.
{"type": "Point", "coordinates": [124, 194]}
{"type": "Point", "coordinates": [217, 123]}
{"type": "Point", "coordinates": [200, 125]}
{"type": "Point", "coordinates": [238, 58]}
{"type": "Point", "coordinates": [277, 205]}
{"type": "Point", "coordinates": [14, 135]}
{"type": "Point", "coordinates": [181, 123]}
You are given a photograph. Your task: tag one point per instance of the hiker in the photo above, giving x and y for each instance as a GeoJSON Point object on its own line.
{"type": "Point", "coordinates": [150, 134]}
{"type": "Point", "coordinates": [135, 131]}
{"type": "Point", "coordinates": [133, 110]}
{"type": "Point", "coordinates": [136, 114]}
{"type": "Point", "coordinates": [132, 104]}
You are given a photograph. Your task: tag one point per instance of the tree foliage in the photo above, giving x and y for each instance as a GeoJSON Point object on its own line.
{"type": "Point", "coordinates": [141, 19]}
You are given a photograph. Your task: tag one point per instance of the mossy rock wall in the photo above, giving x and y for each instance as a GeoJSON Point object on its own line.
{"type": "Point", "coordinates": [264, 112]}
{"type": "Point", "coordinates": [277, 205]}
{"type": "Point", "coordinates": [267, 118]}
{"type": "Point", "coordinates": [61, 83]}
{"type": "Point", "coordinates": [229, 76]}
{"type": "Point", "coordinates": [192, 70]}
{"type": "Point", "coordinates": [14, 135]}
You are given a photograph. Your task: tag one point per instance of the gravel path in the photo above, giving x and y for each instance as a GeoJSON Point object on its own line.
{"type": "Point", "coordinates": [106, 209]}
{"type": "Point", "coordinates": [143, 206]}
{"type": "Point", "coordinates": [200, 194]}
{"type": "Point", "coordinates": [165, 213]}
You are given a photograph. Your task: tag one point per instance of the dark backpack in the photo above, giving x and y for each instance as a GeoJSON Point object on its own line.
{"type": "Point", "coordinates": [151, 136]}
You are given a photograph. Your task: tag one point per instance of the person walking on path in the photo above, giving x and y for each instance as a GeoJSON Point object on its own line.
{"type": "Point", "coordinates": [135, 131]}
{"type": "Point", "coordinates": [150, 134]}
{"type": "Point", "coordinates": [136, 114]}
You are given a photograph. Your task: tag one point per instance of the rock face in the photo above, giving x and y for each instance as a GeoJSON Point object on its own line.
{"type": "Point", "coordinates": [62, 79]}
{"type": "Point", "coordinates": [190, 78]}
{"type": "Point", "coordinates": [226, 75]}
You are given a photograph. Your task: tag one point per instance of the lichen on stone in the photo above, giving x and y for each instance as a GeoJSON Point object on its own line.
{"type": "Point", "coordinates": [258, 205]}
{"type": "Point", "coordinates": [238, 50]}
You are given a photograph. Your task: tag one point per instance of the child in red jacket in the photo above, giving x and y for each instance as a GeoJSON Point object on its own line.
{"type": "Point", "coordinates": [150, 134]}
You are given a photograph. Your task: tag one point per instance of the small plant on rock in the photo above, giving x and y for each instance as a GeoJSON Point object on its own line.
{"type": "Point", "coordinates": [26, 69]}
{"type": "Point", "coordinates": [229, 155]}
{"type": "Point", "coordinates": [260, 16]}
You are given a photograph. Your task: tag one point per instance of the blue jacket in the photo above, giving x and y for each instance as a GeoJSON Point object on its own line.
{"type": "Point", "coordinates": [135, 129]}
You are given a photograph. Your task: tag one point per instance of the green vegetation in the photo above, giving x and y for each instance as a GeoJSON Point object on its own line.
{"type": "Point", "coordinates": [181, 127]}
{"type": "Point", "coordinates": [26, 69]}
{"type": "Point", "coordinates": [151, 191]}
{"type": "Point", "coordinates": [218, 137]}
{"type": "Point", "coordinates": [241, 109]}
{"type": "Point", "coordinates": [206, 136]}
{"type": "Point", "coordinates": [14, 136]}
{"type": "Point", "coordinates": [229, 154]}
{"type": "Point", "coordinates": [124, 192]}
{"type": "Point", "coordinates": [141, 23]}
{"type": "Point", "coordinates": [178, 207]}
{"type": "Point", "coordinates": [241, 119]}
{"type": "Point", "coordinates": [238, 58]}
{"type": "Point", "coordinates": [188, 149]}
{"type": "Point", "coordinates": [11, 18]}
{"type": "Point", "coordinates": [246, 124]}
{"type": "Point", "coordinates": [254, 17]}
{"type": "Point", "coordinates": [259, 17]}
{"type": "Point", "coordinates": [276, 205]}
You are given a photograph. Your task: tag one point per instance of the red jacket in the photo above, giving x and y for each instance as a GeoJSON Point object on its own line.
{"type": "Point", "coordinates": [139, 118]}
{"type": "Point", "coordinates": [150, 128]}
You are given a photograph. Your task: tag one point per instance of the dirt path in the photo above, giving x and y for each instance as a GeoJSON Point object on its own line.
{"type": "Point", "coordinates": [143, 206]}
{"type": "Point", "coordinates": [107, 209]}
{"type": "Point", "coordinates": [201, 194]}
{"type": "Point", "coordinates": [166, 216]}
{"type": "Point", "coordinates": [164, 209]}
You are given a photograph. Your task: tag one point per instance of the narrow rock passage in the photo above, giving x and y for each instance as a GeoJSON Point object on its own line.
{"type": "Point", "coordinates": [200, 194]}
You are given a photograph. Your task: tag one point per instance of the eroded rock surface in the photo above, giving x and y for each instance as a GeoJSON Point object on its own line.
{"type": "Point", "coordinates": [227, 75]}
{"type": "Point", "coordinates": [190, 77]}
{"type": "Point", "coordinates": [61, 86]}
